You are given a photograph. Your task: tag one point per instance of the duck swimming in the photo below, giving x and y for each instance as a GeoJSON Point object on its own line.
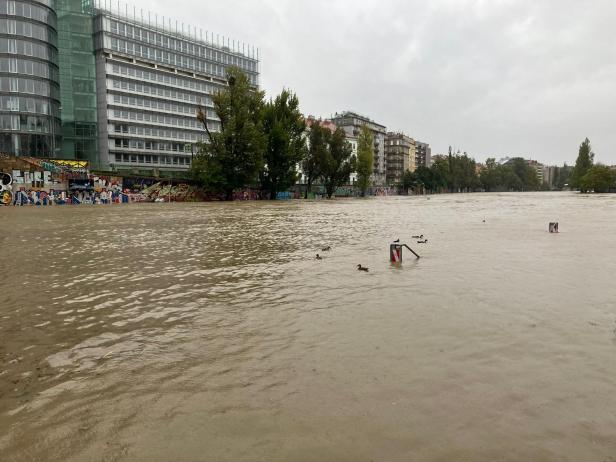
{"type": "Point", "coordinates": [362, 268]}
{"type": "Point", "coordinates": [319, 257]}
{"type": "Point", "coordinates": [418, 237]}
{"type": "Point", "coordinates": [326, 248]}
{"type": "Point", "coordinates": [425, 241]}
{"type": "Point", "coordinates": [397, 240]}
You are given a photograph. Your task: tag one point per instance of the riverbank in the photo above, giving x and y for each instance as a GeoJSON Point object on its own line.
{"type": "Point", "coordinates": [160, 193]}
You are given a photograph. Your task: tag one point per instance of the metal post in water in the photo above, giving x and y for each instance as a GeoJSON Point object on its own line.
{"type": "Point", "coordinates": [414, 253]}
{"type": "Point", "coordinates": [395, 253]}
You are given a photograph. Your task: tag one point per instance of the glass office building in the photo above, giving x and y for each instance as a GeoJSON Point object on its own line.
{"type": "Point", "coordinates": [77, 81]}
{"type": "Point", "coordinates": [29, 85]}
{"type": "Point", "coordinates": [80, 81]}
{"type": "Point", "coordinates": [152, 78]}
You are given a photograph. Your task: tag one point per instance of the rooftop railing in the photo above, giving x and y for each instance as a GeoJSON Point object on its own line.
{"type": "Point", "coordinates": [122, 11]}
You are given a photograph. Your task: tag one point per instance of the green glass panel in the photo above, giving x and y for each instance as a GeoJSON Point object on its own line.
{"type": "Point", "coordinates": [77, 81]}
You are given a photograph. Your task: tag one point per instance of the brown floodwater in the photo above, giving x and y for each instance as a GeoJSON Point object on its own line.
{"type": "Point", "coordinates": [185, 332]}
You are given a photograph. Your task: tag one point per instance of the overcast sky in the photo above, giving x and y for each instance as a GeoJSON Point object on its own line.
{"type": "Point", "coordinates": [490, 77]}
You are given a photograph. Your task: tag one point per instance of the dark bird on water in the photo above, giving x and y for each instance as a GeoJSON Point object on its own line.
{"type": "Point", "coordinates": [397, 240]}
{"type": "Point", "coordinates": [326, 248]}
{"type": "Point", "coordinates": [418, 237]}
{"type": "Point", "coordinates": [425, 241]}
{"type": "Point", "coordinates": [319, 257]}
{"type": "Point", "coordinates": [362, 268]}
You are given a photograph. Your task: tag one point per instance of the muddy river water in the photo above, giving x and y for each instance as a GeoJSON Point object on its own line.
{"type": "Point", "coordinates": [198, 332]}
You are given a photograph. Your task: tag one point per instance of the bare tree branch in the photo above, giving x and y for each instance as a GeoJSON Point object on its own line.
{"type": "Point", "coordinates": [202, 117]}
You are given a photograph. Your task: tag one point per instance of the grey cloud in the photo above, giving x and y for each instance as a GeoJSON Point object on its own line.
{"type": "Point", "coordinates": [529, 78]}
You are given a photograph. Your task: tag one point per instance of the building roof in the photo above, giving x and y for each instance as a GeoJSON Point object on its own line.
{"type": "Point", "coordinates": [326, 123]}
{"type": "Point", "coordinates": [400, 136]}
{"type": "Point", "coordinates": [355, 115]}
{"type": "Point", "coordinates": [175, 29]}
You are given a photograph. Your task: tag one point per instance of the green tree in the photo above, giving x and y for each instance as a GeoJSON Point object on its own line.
{"type": "Point", "coordinates": [317, 148]}
{"type": "Point", "coordinates": [440, 177]}
{"type": "Point", "coordinates": [526, 174]}
{"type": "Point", "coordinates": [463, 173]}
{"type": "Point", "coordinates": [582, 164]}
{"type": "Point", "coordinates": [599, 179]}
{"type": "Point", "coordinates": [338, 162]}
{"type": "Point", "coordinates": [365, 159]}
{"type": "Point", "coordinates": [409, 180]}
{"type": "Point", "coordinates": [491, 176]}
{"type": "Point", "coordinates": [438, 180]}
{"type": "Point", "coordinates": [430, 179]}
{"type": "Point", "coordinates": [491, 163]}
{"type": "Point", "coordinates": [561, 176]}
{"type": "Point", "coordinates": [232, 157]}
{"type": "Point", "coordinates": [516, 175]}
{"type": "Point", "coordinates": [284, 127]}
{"type": "Point", "coordinates": [531, 180]}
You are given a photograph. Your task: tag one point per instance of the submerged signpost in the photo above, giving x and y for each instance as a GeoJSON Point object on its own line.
{"type": "Point", "coordinates": [395, 252]}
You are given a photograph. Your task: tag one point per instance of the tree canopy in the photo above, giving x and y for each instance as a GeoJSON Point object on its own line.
{"type": "Point", "coordinates": [462, 175]}
{"type": "Point", "coordinates": [582, 165]}
{"type": "Point", "coordinates": [250, 142]}
{"type": "Point", "coordinates": [315, 154]}
{"type": "Point", "coordinates": [232, 157]}
{"type": "Point", "coordinates": [365, 159]}
{"type": "Point", "coordinates": [337, 163]}
{"type": "Point", "coordinates": [599, 178]}
{"type": "Point", "coordinates": [284, 126]}
{"type": "Point", "coordinates": [424, 179]}
{"type": "Point", "coordinates": [562, 177]}
{"type": "Point", "coordinates": [515, 175]}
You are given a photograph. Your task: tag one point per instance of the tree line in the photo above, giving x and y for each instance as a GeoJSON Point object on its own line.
{"type": "Point", "coordinates": [262, 143]}
{"type": "Point", "coordinates": [459, 173]}
{"type": "Point", "coordinates": [588, 176]}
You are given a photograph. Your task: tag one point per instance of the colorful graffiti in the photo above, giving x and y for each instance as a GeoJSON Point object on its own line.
{"type": "Point", "coordinates": [72, 164]}
{"type": "Point", "coordinates": [6, 195]}
{"type": "Point", "coordinates": [68, 168]}
{"type": "Point", "coordinates": [6, 198]}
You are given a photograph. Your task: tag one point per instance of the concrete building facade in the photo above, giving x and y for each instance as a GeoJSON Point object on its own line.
{"type": "Point", "coordinates": [538, 169]}
{"type": "Point", "coordinates": [400, 156]}
{"type": "Point", "coordinates": [150, 84]}
{"type": "Point", "coordinates": [549, 173]}
{"type": "Point", "coordinates": [121, 90]}
{"type": "Point", "coordinates": [423, 154]}
{"type": "Point", "coordinates": [352, 123]}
